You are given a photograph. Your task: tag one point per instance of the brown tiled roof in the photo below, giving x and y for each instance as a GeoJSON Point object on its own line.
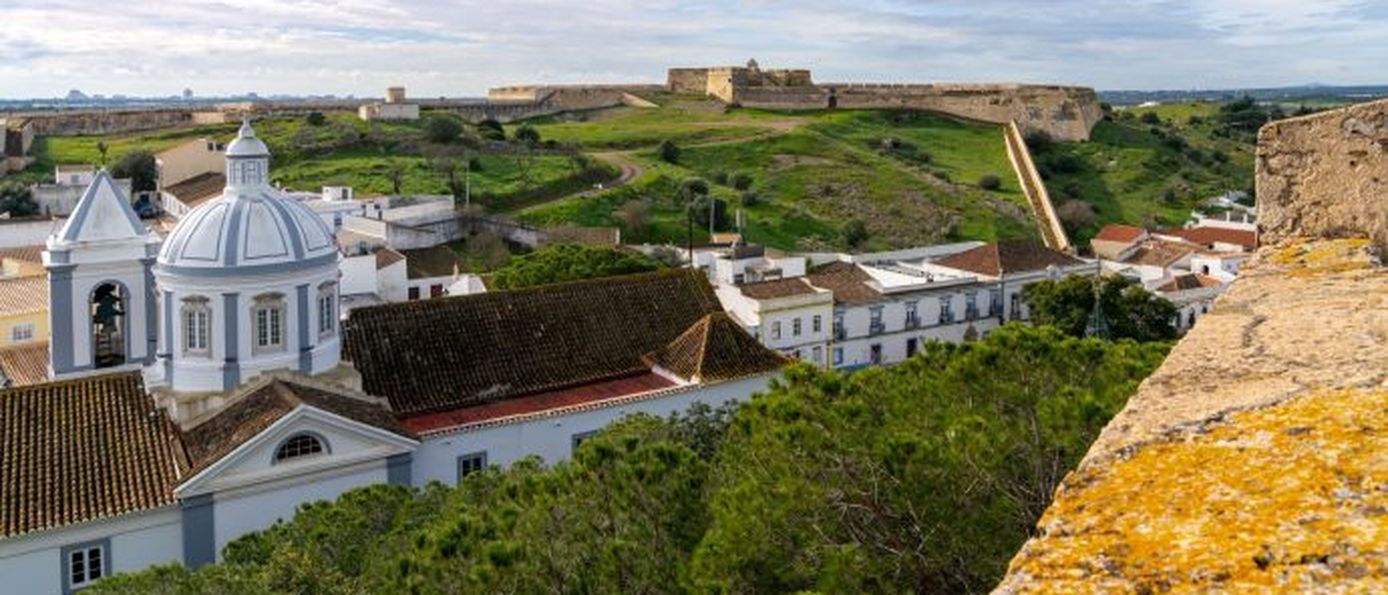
{"type": "Point", "coordinates": [438, 354]}
{"type": "Point", "coordinates": [23, 295]}
{"type": "Point", "coordinates": [1119, 233]}
{"type": "Point", "coordinates": [1207, 236]}
{"type": "Point", "coordinates": [766, 290]}
{"type": "Point", "coordinates": [438, 261]}
{"type": "Point", "coordinates": [24, 364]}
{"type": "Point", "coordinates": [848, 281]}
{"type": "Point", "coordinates": [1190, 281]}
{"type": "Point", "coordinates": [249, 415]}
{"type": "Point", "coordinates": [716, 348]}
{"type": "Point", "coordinates": [1159, 254]}
{"type": "Point", "coordinates": [1007, 257]}
{"type": "Point", "coordinates": [193, 191]}
{"type": "Point", "coordinates": [387, 256]}
{"type": "Point", "coordinates": [31, 254]}
{"type": "Point", "coordinates": [83, 449]}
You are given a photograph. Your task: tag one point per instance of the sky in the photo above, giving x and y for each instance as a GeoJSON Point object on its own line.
{"type": "Point", "coordinates": [462, 47]}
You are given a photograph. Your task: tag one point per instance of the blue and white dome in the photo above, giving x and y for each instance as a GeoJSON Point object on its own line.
{"type": "Point", "coordinates": [250, 229]}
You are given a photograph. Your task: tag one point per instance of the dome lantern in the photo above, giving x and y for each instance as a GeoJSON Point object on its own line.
{"type": "Point", "coordinates": [248, 159]}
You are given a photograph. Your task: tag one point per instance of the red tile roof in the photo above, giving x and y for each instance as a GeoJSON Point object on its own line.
{"type": "Point", "coordinates": [31, 254]}
{"type": "Point", "coordinates": [23, 295]}
{"type": "Point", "coordinates": [24, 364]}
{"type": "Point", "coordinates": [848, 281]}
{"type": "Point", "coordinates": [1190, 281]}
{"type": "Point", "coordinates": [764, 290]}
{"type": "Point", "coordinates": [79, 450]}
{"type": "Point", "coordinates": [715, 348]}
{"type": "Point", "coordinates": [197, 189]}
{"type": "Point", "coordinates": [1208, 236]}
{"type": "Point", "coordinates": [446, 353]}
{"type": "Point", "coordinates": [1001, 258]}
{"type": "Point", "coordinates": [1119, 233]}
{"type": "Point", "coordinates": [1159, 253]}
{"type": "Point", "coordinates": [543, 402]}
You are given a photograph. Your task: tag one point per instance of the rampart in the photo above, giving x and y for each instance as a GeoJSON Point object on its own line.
{"type": "Point", "coordinates": [1253, 459]}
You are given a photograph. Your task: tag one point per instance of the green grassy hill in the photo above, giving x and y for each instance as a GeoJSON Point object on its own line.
{"type": "Point", "coordinates": [1146, 167]}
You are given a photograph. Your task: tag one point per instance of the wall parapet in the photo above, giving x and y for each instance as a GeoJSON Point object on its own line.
{"type": "Point", "coordinates": [1252, 459]}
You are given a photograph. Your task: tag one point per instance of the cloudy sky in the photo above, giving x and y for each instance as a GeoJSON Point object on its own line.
{"type": "Point", "coordinates": [462, 47]}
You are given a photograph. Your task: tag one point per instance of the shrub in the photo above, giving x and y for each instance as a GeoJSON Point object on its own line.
{"type": "Point", "coordinates": [491, 129]}
{"type": "Point", "coordinates": [139, 166]}
{"type": "Point", "coordinates": [1039, 141]}
{"type": "Point", "coordinates": [669, 151]}
{"type": "Point", "coordinates": [17, 200]}
{"type": "Point", "coordinates": [527, 135]}
{"type": "Point", "coordinates": [1150, 118]}
{"type": "Point", "coordinates": [990, 182]}
{"type": "Point", "coordinates": [742, 181]}
{"type": "Point", "coordinates": [316, 118]}
{"type": "Point", "coordinates": [720, 177]}
{"type": "Point", "coordinates": [442, 128]}
{"type": "Point", "coordinates": [854, 233]}
{"type": "Point", "coordinates": [750, 198]}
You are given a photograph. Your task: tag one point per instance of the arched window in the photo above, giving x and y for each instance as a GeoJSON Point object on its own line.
{"type": "Point", "coordinates": [327, 309]}
{"type": "Point", "coordinates": [299, 446]}
{"type": "Point", "coordinates": [197, 320]}
{"type": "Point", "coordinates": [267, 314]}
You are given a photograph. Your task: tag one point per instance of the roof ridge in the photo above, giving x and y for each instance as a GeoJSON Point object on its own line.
{"type": "Point", "coordinates": [69, 382]}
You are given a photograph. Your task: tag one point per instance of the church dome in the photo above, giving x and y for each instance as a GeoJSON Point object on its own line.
{"type": "Point", "coordinates": [252, 228]}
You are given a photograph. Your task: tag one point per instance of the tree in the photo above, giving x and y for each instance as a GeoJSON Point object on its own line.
{"type": "Point", "coordinates": [1075, 214]}
{"type": "Point", "coordinates": [487, 251]}
{"type": "Point", "coordinates": [990, 182]}
{"type": "Point", "coordinates": [669, 152]}
{"type": "Point", "coordinates": [450, 168]}
{"type": "Point", "coordinates": [396, 170]}
{"type": "Point", "coordinates": [692, 190]}
{"type": "Point", "coordinates": [742, 180]}
{"type": "Point", "coordinates": [17, 200]}
{"type": "Point", "coordinates": [1130, 311]}
{"type": "Point", "coordinates": [527, 136]}
{"type": "Point", "coordinates": [442, 128]}
{"type": "Point", "coordinates": [558, 263]}
{"type": "Point", "coordinates": [139, 166]}
{"type": "Point", "coordinates": [635, 216]}
{"type": "Point", "coordinates": [1150, 118]}
{"type": "Point", "coordinates": [703, 207]}
{"type": "Point", "coordinates": [315, 118]}
{"type": "Point", "coordinates": [854, 233]}
{"type": "Point", "coordinates": [491, 129]}
{"type": "Point", "coordinates": [102, 148]}
{"type": "Point", "coordinates": [750, 198]}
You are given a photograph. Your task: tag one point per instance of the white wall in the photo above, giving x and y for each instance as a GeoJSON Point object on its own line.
{"type": "Point", "coordinates": [236, 515]}
{"type": "Point", "coordinates": [32, 564]}
{"type": "Point", "coordinates": [27, 232]}
{"type": "Point", "coordinates": [552, 437]}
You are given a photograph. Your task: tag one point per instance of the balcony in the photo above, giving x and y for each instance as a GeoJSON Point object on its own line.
{"type": "Point", "coordinates": [839, 333]}
{"type": "Point", "coordinates": [971, 313]}
{"type": "Point", "coordinates": [876, 327]}
{"type": "Point", "coordinates": [946, 317]}
{"type": "Point", "coordinates": [913, 321]}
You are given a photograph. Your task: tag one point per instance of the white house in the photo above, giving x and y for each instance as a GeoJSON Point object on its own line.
{"type": "Point", "coordinates": [394, 108]}
{"type": "Point", "coordinates": [218, 362]}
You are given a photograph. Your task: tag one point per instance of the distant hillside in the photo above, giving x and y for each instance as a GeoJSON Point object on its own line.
{"type": "Point", "coordinates": [1149, 166]}
{"type": "Point", "coordinates": [1315, 95]}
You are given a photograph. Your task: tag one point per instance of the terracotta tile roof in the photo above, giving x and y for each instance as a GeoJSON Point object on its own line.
{"type": "Point", "coordinates": [193, 191]}
{"type": "Point", "coordinates": [31, 254]}
{"type": "Point", "coordinates": [551, 401]}
{"type": "Point", "coordinates": [79, 450]}
{"type": "Point", "coordinates": [386, 257]}
{"type": "Point", "coordinates": [24, 364]}
{"type": "Point", "coordinates": [1119, 233]}
{"type": "Point", "coordinates": [766, 290]}
{"type": "Point", "coordinates": [1208, 236]}
{"type": "Point", "coordinates": [715, 348]}
{"type": "Point", "coordinates": [23, 295]}
{"type": "Point", "coordinates": [848, 281]}
{"type": "Point", "coordinates": [444, 353]}
{"type": "Point", "coordinates": [1159, 254]}
{"type": "Point", "coordinates": [1001, 258]}
{"type": "Point", "coordinates": [1190, 281]}
{"type": "Point", "coordinates": [250, 414]}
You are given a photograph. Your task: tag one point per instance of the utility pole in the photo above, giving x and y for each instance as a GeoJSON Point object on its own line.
{"type": "Point", "coordinates": [689, 218]}
{"type": "Point", "coordinates": [467, 180]}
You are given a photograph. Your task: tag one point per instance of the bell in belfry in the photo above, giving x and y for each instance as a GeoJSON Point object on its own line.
{"type": "Point", "coordinates": [107, 305]}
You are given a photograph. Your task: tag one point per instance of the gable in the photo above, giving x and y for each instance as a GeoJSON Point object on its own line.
{"type": "Point", "coordinates": [103, 213]}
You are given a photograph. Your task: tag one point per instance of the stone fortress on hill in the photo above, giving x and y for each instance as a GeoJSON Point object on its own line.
{"type": "Point", "coordinates": [1065, 112]}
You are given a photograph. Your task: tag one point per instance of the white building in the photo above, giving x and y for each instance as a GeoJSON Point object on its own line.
{"type": "Point", "coordinates": [394, 108]}
{"type": "Point", "coordinates": [859, 310]}
{"type": "Point", "coordinates": [205, 386]}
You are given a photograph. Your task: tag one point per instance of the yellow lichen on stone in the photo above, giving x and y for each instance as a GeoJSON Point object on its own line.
{"type": "Point", "coordinates": [1303, 257]}
{"type": "Point", "coordinates": [1292, 497]}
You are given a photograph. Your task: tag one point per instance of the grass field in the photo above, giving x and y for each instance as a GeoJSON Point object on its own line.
{"type": "Point", "coordinates": [1147, 175]}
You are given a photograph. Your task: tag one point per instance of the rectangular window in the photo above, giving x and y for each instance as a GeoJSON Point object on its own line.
{"type": "Point", "coordinates": [20, 333]}
{"type": "Point", "coordinates": [818, 324]}
{"type": "Point", "coordinates": [818, 356]}
{"type": "Point", "coordinates": [195, 329]}
{"type": "Point", "coordinates": [436, 290]}
{"type": "Point", "coordinates": [839, 332]}
{"type": "Point", "coordinates": [995, 301]}
{"type": "Point", "coordinates": [414, 293]}
{"type": "Point", "coordinates": [946, 309]}
{"type": "Point", "coordinates": [580, 437]}
{"type": "Point", "coordinates": [795, 328]}
{"type": "Point", "coordinates": [776, 329]}
{"type": "Point", "coordinates": [838, 356]}
{"type": "Point", "coordinates": [971, 305]}
{"type": "Point", "coordinates": [269, 327]}
{"type": "Point", "coordinates": [85, 564]}
{"type": "Point", "coordinates": [471, 463]}
{"type": "Point", "coordinates": [912, 345]}
{"type": "Point", "coordinates": [327, 315]}
{"type": "Point", "coordinates": [913, 318]}
{"type": "Point", "coordinates": [875, 324]}
{"type": "Point", "coordinates": [875, 353]}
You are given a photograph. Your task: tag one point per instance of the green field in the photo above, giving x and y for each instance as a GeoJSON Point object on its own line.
{"type": "Point", "coordinates": [1145, 174]}
{"type": "Point", "coordinates": [813, 171]}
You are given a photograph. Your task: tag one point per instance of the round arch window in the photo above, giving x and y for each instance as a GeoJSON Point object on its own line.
{"type": "Point", "coordinates": [299, 446]}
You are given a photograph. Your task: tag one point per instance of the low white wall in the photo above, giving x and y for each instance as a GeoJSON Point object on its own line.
{"type": "Point", "coordinates": [552, 437]}
{"type": "Point", "coordinates": [33, 564]}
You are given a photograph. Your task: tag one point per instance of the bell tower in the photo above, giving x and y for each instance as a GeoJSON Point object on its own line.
{"type": "Point", "coordinates": [101, 286]}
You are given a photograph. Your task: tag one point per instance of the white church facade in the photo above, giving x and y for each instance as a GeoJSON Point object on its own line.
{"type": "Point", "coordinates": [205, 385]}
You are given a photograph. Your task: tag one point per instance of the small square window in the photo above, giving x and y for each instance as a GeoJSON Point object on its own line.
{"type": "Point", "coordinates": [20, 333]}
{"type": "Point", "coordinates": [581, 436]}
{"type": "Point", "coordinates": [471, 463]}
{"type": "Point", "coordinates": [84, 564]}
{"type": "Point", "coordinates": [414, 293]}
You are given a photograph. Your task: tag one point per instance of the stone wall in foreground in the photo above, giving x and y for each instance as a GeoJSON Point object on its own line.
{"type": "Point", "coordinates": [1253, 459]}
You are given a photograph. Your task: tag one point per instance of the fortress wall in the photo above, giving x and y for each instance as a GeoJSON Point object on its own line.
{"type": "Point", "coordinates": [1323, 175]}
{"type": "Point", "coordinates": [687, 80]}
{"type": "Point", "coordinates": [108, 122]}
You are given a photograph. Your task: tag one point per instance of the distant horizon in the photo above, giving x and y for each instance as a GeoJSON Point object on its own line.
{"type": "Point", "coordinates": [360, 47]}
